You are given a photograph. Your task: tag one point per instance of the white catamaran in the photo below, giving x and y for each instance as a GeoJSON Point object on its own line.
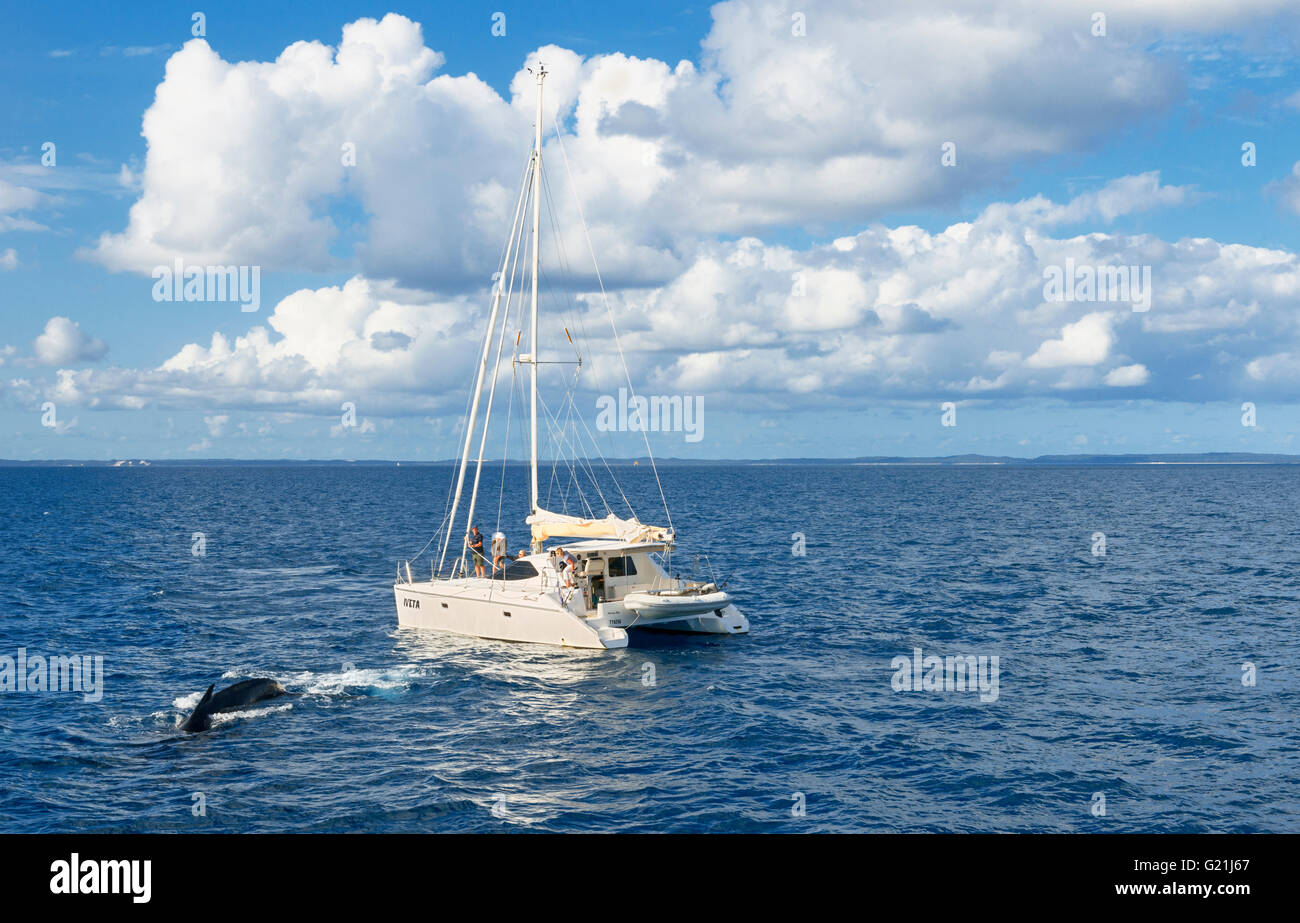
{"type": "Point", "coordinates": [613, 578]}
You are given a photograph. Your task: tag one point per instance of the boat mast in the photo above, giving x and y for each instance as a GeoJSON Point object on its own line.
{"type": "Point", "coordinates": [506, 270]}
{"type": "Point", "coordinates": [471, 422]}
{"type": "Point", "coordinates": [537, 215]}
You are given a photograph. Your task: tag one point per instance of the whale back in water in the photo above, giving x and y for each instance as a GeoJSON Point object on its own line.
{"type": "Point", "coordinates": [232, 698]}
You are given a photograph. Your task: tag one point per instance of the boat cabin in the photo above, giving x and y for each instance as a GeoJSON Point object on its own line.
{"type": "Point", "coordinates": [606, 571]}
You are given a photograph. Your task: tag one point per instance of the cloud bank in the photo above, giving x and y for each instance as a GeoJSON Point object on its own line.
{"type": "Point", "coordinates": [366, 158]}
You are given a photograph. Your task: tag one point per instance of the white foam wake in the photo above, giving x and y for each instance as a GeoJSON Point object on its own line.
{"type": "Point", "coordinates": [352, 679]}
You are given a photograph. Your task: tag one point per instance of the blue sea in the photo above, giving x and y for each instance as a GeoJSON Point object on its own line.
{"type": "Point", "coordinates": [1150, 688]}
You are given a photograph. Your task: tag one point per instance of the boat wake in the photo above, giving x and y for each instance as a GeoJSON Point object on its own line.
{"type": "Point", "coordinates": [356, 681]}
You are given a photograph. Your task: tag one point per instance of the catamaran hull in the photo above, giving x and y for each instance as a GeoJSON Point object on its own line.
{"type": "Point", "coordinates": [502, 618]}
{"type": "Point", "coordinates": [725, 621]}
{"type": "Point", "coordinates": [540, 619]}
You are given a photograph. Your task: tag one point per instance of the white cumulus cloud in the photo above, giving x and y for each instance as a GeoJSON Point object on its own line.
{"type": "Point", "coordinates": [64, 342]}
{"type": "Point", "coordinates": [891, 313]}
{"type": "Point", "coordinates": [769, 129]}
{"type": "Point", "coordinates": [1087, 341]}
{"type": "Point", "coordinates": [1128, 376]}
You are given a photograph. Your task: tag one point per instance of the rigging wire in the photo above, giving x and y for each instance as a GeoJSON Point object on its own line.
{"type": "Point", "coordinates": [487, 341]}
{"type": "Point", "coordinates": [492, 390]}
{"type": "Point", "coordinates": [562, 262]}
{"type": "Point", "coordinates": [617, 340]}
{"type": "Point", "coordinates": [558, 429]}
{"type": "Point", "coordinates": [555, 432]}
{"type": "Point", "coordinates": [581, 326]}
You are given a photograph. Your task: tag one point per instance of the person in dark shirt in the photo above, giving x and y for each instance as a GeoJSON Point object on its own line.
{"type": "Point", "coordinates": [475, 542]}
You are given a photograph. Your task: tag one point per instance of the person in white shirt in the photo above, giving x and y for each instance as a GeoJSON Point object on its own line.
{"type": "Point", "coordinates": [499, 553]}
{"type": "Point", "coordinates": [567, 565]}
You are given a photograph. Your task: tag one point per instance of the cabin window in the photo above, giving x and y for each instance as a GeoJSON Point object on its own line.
{"type": "Point", "coordinates": [622, 567]}
{"type": "Point", "coordinates": [517, 570]}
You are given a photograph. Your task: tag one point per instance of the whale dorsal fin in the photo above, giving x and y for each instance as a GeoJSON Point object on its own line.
{"type": "Point", "coordinates": [207, 695]}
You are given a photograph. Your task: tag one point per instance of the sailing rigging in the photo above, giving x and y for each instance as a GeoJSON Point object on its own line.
{"type": "Point", "coordinates": [586, 593]}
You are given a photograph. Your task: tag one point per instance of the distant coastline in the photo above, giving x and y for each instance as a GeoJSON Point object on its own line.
{"type": "Point", "coordinates": [947, 461]}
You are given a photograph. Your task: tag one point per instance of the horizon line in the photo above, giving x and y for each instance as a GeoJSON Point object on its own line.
{"type": "Point", "coordinates": [967, 458]}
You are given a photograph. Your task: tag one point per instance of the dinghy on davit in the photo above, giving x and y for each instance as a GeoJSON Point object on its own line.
{"type": "Point", "coordinates": [690, 600]}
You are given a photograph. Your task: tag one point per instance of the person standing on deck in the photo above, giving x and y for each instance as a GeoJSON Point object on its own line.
{"type": "Point", "coordinates": [475, 542]}
{"type": "Point", "coordinates": [499, 553]}
{"type": "Point", "coordinates": [567, 566]}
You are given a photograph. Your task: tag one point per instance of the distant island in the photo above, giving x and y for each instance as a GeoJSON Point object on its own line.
{"type": "Point", "coordinates": [947, 461]}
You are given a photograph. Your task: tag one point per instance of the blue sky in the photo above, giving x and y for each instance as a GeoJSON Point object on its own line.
{"type": "Point", "coordinates": [776, 163]}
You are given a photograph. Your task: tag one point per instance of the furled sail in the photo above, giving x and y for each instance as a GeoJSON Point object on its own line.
{"type": "Point", "coordinates": [546, 524]}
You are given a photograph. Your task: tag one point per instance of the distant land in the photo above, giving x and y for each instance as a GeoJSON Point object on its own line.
{"type": "Point", "coordinates": [946, 461]}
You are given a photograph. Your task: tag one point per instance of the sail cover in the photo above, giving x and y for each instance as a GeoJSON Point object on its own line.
{"type": "Point", "coordinates": [546, 524]}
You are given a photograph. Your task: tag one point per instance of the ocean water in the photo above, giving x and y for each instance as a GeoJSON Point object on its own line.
{"type": "Point", "coordinates": [1120, 676]}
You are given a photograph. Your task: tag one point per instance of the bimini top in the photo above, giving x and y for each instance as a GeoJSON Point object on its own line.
{"type": "Point", "coordinates": [546, 524]}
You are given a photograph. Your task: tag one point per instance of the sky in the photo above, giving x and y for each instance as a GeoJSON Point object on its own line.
{"type": "Point", "coordinates": [831, 229]}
